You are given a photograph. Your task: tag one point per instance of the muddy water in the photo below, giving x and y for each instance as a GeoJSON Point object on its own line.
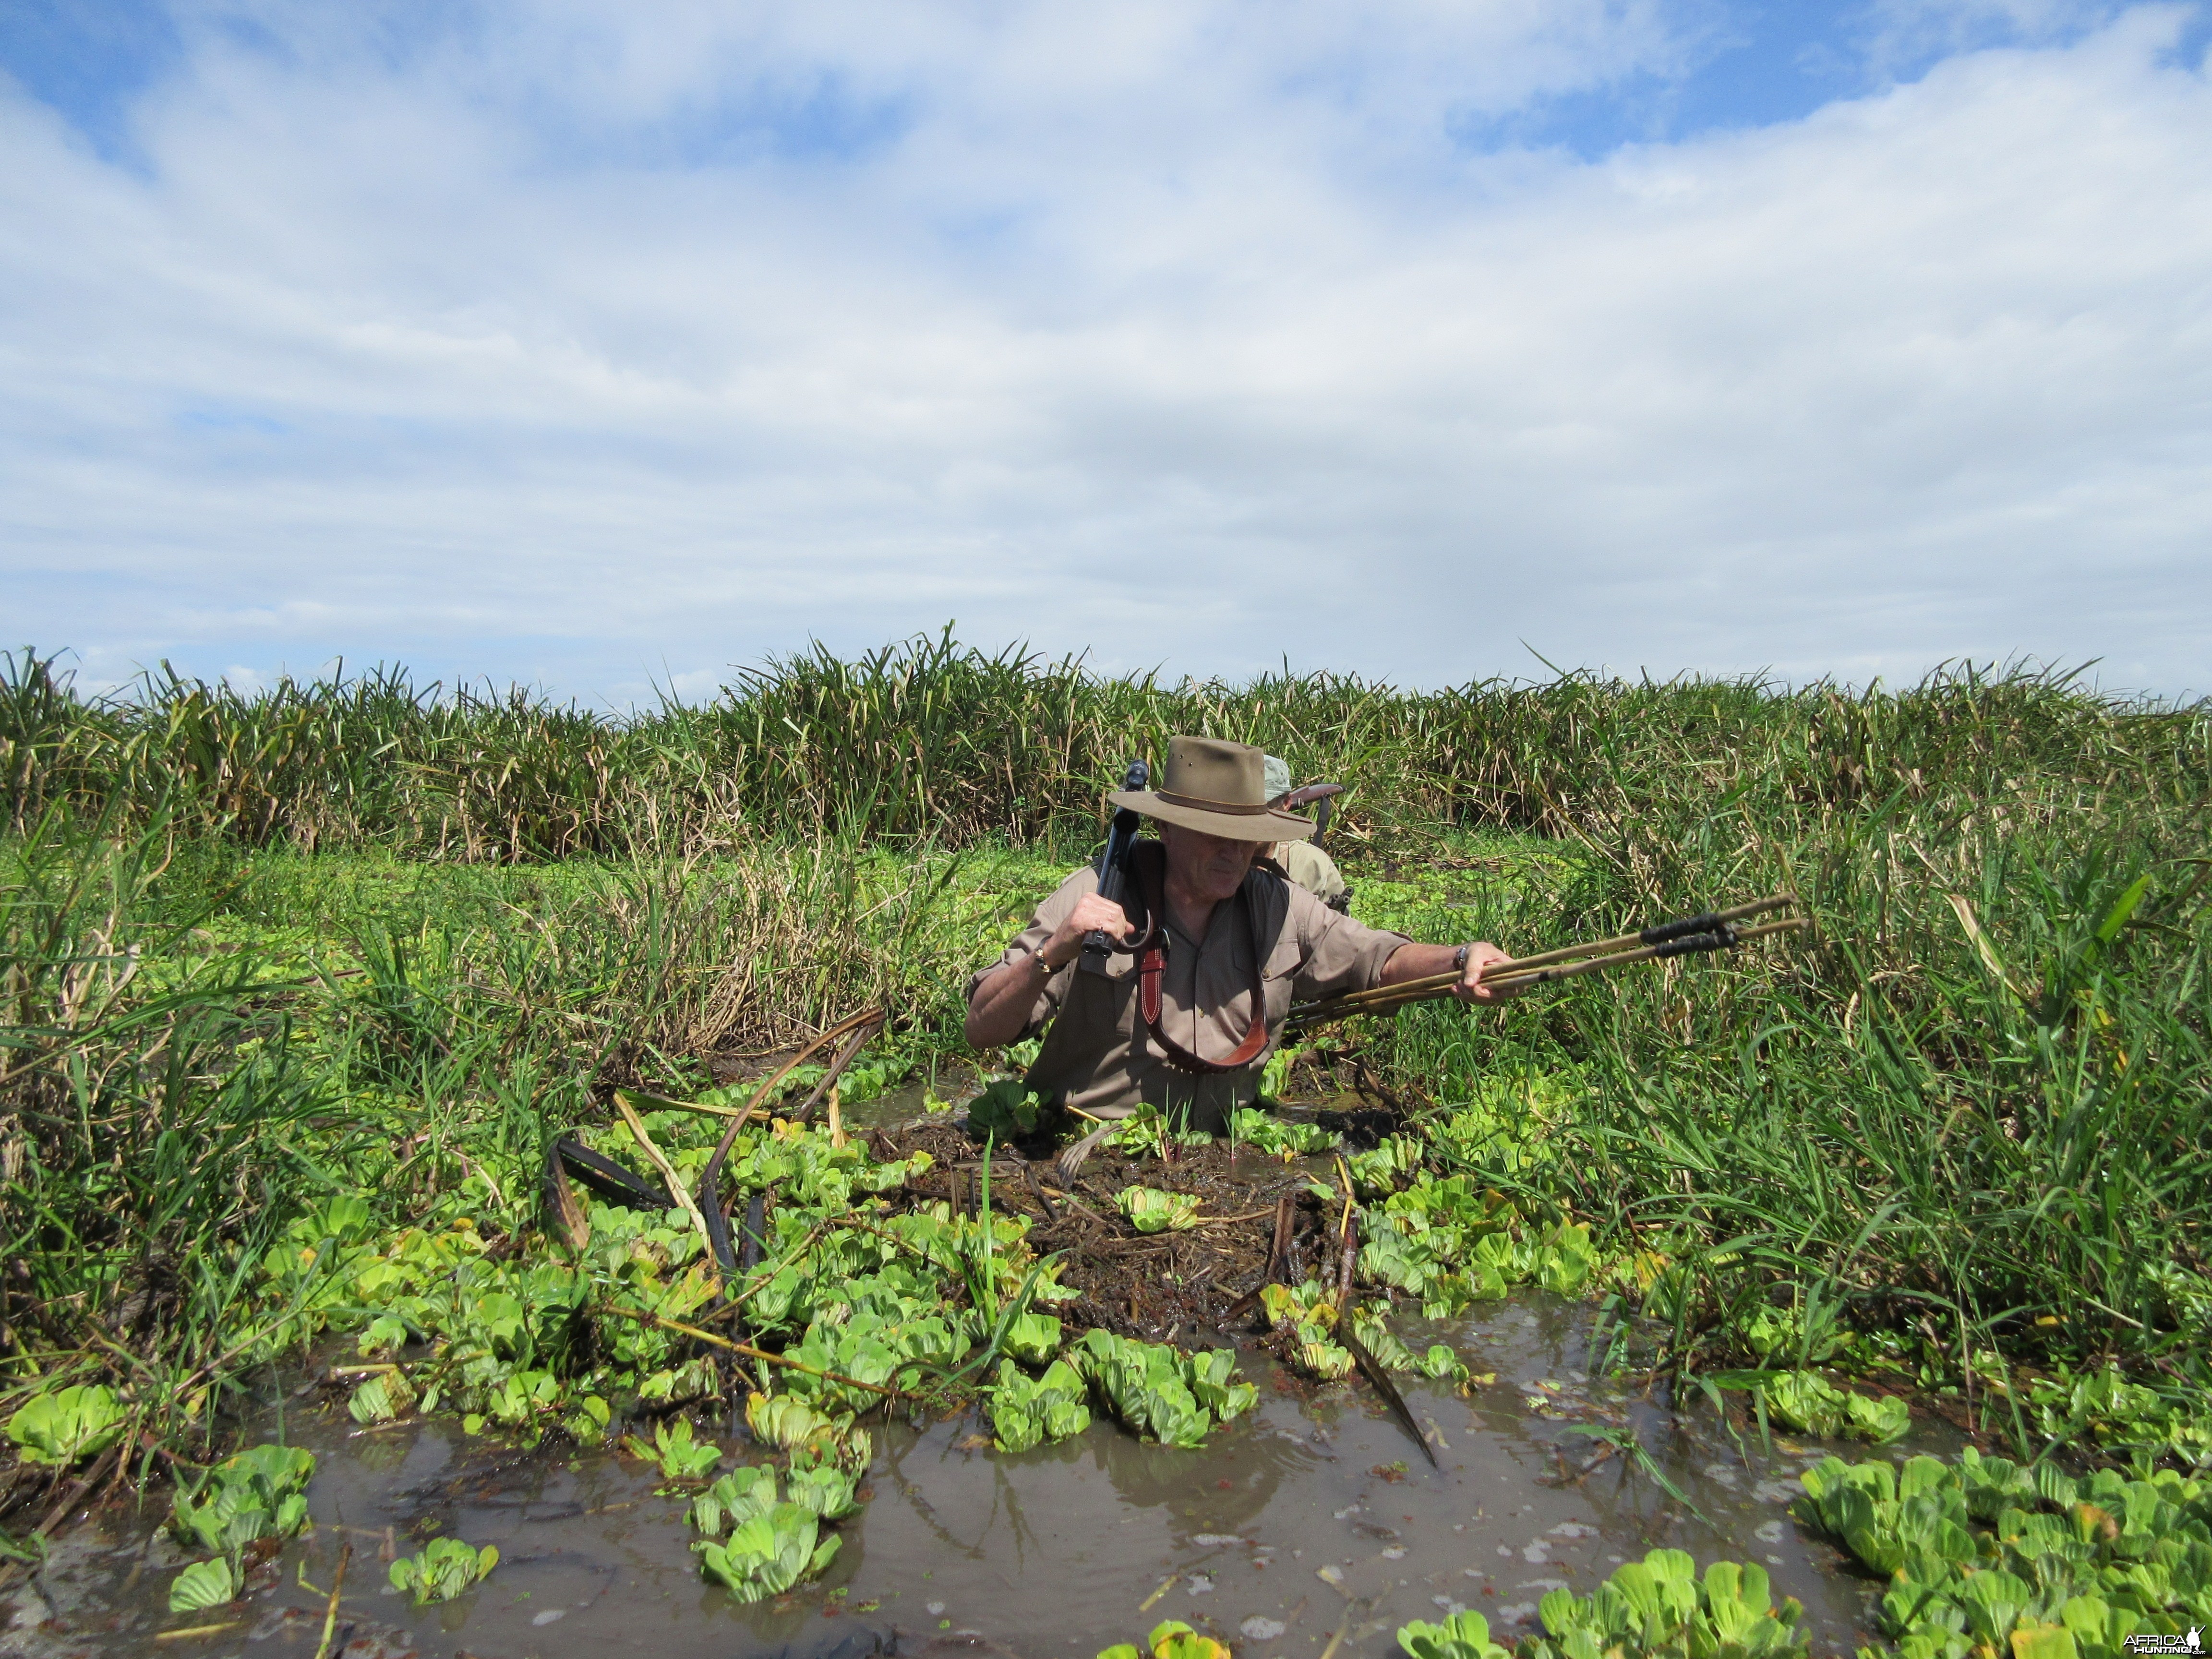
{"type": "Point", "coordinates": [1312, 1516]}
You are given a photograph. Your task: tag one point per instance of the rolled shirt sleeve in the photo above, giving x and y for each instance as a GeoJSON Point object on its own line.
{"type": "Point", "coordinates": [1340, 955]}
{"type": "Point", "coordinates": [1043, 923]}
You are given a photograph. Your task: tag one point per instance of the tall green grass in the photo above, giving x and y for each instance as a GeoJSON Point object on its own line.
{"type": "Point", "coordinates": [357, 933]}
{"type": "Point", "coordinates": [935, 741]}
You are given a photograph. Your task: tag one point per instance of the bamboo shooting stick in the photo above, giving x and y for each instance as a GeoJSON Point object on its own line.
{"type": "Point", "coordinates": [1715, 931]}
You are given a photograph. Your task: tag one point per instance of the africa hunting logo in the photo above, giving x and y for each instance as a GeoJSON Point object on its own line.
{"type": "Point", "coordinates": [2146, 1643]}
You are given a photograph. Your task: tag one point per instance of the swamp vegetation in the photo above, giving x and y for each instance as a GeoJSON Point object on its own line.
{"type": "Point", "coordinates": [301, 985]}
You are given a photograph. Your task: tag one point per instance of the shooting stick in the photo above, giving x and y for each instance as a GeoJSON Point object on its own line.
{"type": "Point", "coordinates": [1715, 931]}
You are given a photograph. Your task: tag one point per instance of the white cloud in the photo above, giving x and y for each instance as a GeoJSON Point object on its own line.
{"type": "Point", "coordinates": [558, 346]}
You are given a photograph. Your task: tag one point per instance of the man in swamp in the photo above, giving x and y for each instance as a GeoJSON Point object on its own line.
{"type": "Point", "coordinates": [1214, 953]}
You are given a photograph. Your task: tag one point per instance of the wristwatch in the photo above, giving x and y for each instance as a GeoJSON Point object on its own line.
{"type": "Point", "coordinates": [1459, 958]}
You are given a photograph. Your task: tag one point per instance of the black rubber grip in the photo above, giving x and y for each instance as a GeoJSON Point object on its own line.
{"type": "Point", "coordinates": [1719, 939]}
{"type": "Point", "coordinates": [1666, 931]}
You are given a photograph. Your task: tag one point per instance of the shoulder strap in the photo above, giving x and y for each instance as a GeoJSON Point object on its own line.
{"type": "Point", "coordinates": [1152, 968]}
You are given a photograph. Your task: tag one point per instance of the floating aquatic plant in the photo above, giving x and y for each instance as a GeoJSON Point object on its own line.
{"type": "Point", "coordinates": [1150, 1387]}
{"type": "Point", "coordinates": [68, 1425]}
{"type": "Point", "coordinates": [445, 1569]}
{"type": "Point", "coordinates": [1026, 1411]}
{"type": "Point", "coordinates": [672, 1447]}
{"type": "Point", "coordinates": [1658, 1606]}
{"type": "Point", "coordinates": [204, 1584]}
{"type": "Point", "coordinates": [1170, 1639]}
{"type": "Point", "coordinates": [768, 1551]}
{"type": "Point", "coordinates": [1151, 1211]}
{"type": "Point", "coordinates": [261, 1493]}
{"type": "Point", "coordinates": [1460, 1636]}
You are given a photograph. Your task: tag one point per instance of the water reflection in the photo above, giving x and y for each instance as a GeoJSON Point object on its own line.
{"type": "Point", "coordinates": [1310, 1516]}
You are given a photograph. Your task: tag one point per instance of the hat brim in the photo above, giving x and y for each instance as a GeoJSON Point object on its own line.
{"type": "Point", "coordinates": [1262, 823]}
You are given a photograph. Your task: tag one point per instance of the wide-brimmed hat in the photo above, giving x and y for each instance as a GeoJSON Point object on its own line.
{"type": "Point", "coordinates": [1219, 788]}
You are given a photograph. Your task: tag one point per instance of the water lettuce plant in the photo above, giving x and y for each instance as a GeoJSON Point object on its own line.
{"type": "Point", "coordinates": [1307, 1312]}
{"type": "Point", "coordinates": [443, 1570]}
{"type": "Point", "coordinates": [68, 1425]}
{"type": "Point", "coordinates": [680, 1457]}
{"type": "Point", "coordinates": [1170, 1639]}
{"type": "Point", "coordinates": [782, 1422]}
{"type": "Point", "coordinates": [382, 1398]}
{"type": "Point", "coordinates": [1027, 1411]}
{"type": "Point", "coordinates": [260, 1493]}
{"type": "Point", "coordinates": [734, 1498]}
{"type": "Point", "coordinates": [204, 1585]}
{"type": "Point", "coordinates": [1155, 1391]}
{"type": "Point", "coordinates": [824, 1488]}
{"type": "Point", "coordinates": [1033, 1339]}
{"type": "Point", "coordinates": [1985, 1554]}
{"type": "Point", "coordinates": [768, 1551]}
{"type": "Point", "coordinates": [1460, 1636]}
{"type": "Point", "coordinates": [1007, 1109]}
{"type": "Point", "coordinates": [1151, 1211]}
{"type": "Point", "coordinates": [1805, 1400]}
{"type": "Point", "coordinates": [1660, 1607]}
{"type": "Point", "coordinates": [1286, 1138]}
{"type": "Point", "coordinates": [1149, 1133]}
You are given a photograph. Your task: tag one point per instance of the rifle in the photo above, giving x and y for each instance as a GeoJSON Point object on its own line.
{"type": "Point", "coordinates": [1307, 793]}
{"type": "Point", "coordinates": [1114, 860]}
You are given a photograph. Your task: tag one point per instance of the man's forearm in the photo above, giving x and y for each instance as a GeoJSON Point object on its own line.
{"type": "Point", "coordinates": [1419, 962]}
{"type": "Point", "coordinates": [1003, 1002]}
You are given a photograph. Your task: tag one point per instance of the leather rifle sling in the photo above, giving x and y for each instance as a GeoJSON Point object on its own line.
{"type": "Point", "coordinates": [1148, 861]}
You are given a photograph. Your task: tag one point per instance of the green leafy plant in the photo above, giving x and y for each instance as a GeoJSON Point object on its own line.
{"type": "Point", "coordinates": [768, 1551]}
{"type": "Point", "coordinates": [1033, 1339]}
{"type": "Point", "coordinates": [1985, 1554]}
{"type": "Point", "coordinates": [1150, 1210]}
{"type": "Point", "coordinates": [783, 1421]}
{"type": "Point", "coordinates": [446, 1568]}
{"type": "Point", "coordinates": [1006, 1110]}
{"type": "Point", "coordinates": [1150, 1387]}
{"type": "Point", "coordinates": [261, 1493]}
{"type": "Point", "coordinates": [1376, 1173]}
{"type": "Point", "coordinates": [734, 1498]}
{"type": "Point", "coordinates": [204, 1584]}
{"type": "Point", "coordinates": [1657, 1606]}
{"type": "Point", "coordinates": [825, 1489]}
{"type": "Point", "coordinates": [1806, 1401]}
{"type": "Point", "coordinates": [1170, 1639]}
{"type": "Point", "coordinates": [1147, 1132]}
{"type": "Point", "coordinates": [1462, 1635]}
{"type": "Point", "coordinates": [1307, 1312]}
{"type": "Point", "coordinates": [679, 1455]}
{"type": "Point", "coordinates": [1284, 1137]}
{"type": "Point", "coordinates": [1026, 1411]}
{"type": "Point", "coordinates": [68, 1425]}
{"type": "Point", "coordinates": [1216, 1385]}
{"type": "Point", "coordinates": [1274, 1079]}
{"type": "Point", "coordinates": [382, 1398]}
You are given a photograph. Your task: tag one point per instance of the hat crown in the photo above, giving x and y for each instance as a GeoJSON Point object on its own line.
{"type": "Point", "coordinates": [1215, 771]}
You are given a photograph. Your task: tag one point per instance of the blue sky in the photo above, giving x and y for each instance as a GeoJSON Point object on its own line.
{"type": "Point", "coordinates": [608, 347]}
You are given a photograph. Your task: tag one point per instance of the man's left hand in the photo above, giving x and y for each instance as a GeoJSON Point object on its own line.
{"type": "Point", "coordinates": [1482, 957]}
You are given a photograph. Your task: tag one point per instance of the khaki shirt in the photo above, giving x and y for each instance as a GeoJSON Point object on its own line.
{"type": "Point", "coordinates": [1098, 1057]}
{"type": "Point", "coordinates": [1312, 869]}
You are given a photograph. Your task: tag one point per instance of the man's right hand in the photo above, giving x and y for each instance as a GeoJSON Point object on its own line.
{"type": "Point", "coordinates": [1003, 1002]}
{"type": "Point", "coordinates": [1091, 914]}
